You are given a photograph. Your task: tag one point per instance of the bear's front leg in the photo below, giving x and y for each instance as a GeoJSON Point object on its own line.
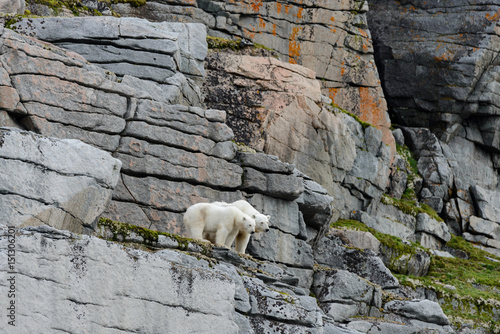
{"type": "Point", "coordinates": [241, 243]}
{"type": "Point", "coordinates": [221, 236]}
{"type": "Point", "coordinates": [230, 237]}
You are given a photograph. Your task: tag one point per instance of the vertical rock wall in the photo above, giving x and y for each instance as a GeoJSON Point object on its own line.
{"type": "Point", "coordinates": [439, 66]}
{"type": "Point", "coordinates": [329, 37]}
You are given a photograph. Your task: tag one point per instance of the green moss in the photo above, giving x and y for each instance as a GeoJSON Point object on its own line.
{"type": "Point", "coordinates": [218, 43]}
{"type": "Point", "coordinates": [150, 236]}
{"type": "Point", "coordinates": [411, 207]}
{"type": "Point", "coordinates": [223, 43]}
{"type": "Point", "coordinates": [387, 240]}
{"type": "Point", "coordinates": [134, 3]}
{"type": "Point", "coordinates": [477, 280]}
{"type": "Point", "coordinates": [405, 152]}
{"type": "Point", "coordinates": [123, 229]}
{"type": "Point", "coordinates": [364, 125]}
{"type": "Point", "coordinates": [477, 283]}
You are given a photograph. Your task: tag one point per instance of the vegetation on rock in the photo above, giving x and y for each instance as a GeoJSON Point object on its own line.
{"type": "Point", "coordinates": [467, 289]}
{"type": "Point", "coordinates": [411, 207]}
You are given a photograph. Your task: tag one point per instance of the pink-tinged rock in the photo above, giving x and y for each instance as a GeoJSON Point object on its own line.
{"type": "Point", "coordinates": [9, 98]}
{"type": "Point", "coordinates": [68, 95]}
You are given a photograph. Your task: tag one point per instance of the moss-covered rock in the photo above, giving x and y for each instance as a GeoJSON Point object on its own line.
{"type": "Point", "coordinates": [398, 256]}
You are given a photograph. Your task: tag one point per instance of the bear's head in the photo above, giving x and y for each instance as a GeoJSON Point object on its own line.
{"type": "Point", "coordinates": [246, 223]}
{"type": "Point", "coordinates": [261, 222]}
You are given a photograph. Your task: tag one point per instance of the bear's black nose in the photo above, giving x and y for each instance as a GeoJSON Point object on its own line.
{"type": "Point", "coordinates": [252, 232]}
{"type": "Point", "coordinates": [267, 230]}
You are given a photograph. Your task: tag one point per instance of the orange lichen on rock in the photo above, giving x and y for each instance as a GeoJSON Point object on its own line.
{"type": "Point", "coordinates": [278, 7]}
{"type": "Point", "coordinates": [332, 92]}
{"type": "Point", "coordinates": [249, 34]}
{"type": "Point", "coordinates": [299, 13]}
{"type": "Point", "coordinates": [294, 46]}
{"type": "Point", "coordinates": [262, 23]}
{"type": "Point", "coordinates": [274, 29]}
{"type": "Point", "coordinates": [256, 4]}
{"type": "Point", "coordinates": [373, 110]}
{"type": "Point", "coordinates": [494, 17]}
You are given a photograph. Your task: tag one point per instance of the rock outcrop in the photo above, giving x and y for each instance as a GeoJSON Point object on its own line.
{"type": "Point", "coordinates": [439, 71]}
{"type": "Point", "coordinates": [331, 38]}
{"type": "Point", "coordinates": [132, 88]}
{"type": "Point", "coordinates": [65, 184]}
{"type": "Point", "coordinates": [278, 108]}
{"type": "Point", "coordinates": [203, 289]}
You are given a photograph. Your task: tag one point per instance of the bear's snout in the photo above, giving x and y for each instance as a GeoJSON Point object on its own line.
{"type": "Point", "coordinates": [267, 230]}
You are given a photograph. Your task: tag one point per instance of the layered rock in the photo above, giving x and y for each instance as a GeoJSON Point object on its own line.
{"type": "Point", "coordinates": [332, 39]}
{"type": "Point", "coordinates": [439, 70]}
{"type": "Point", "coordinates": [164, 60]}
{"type": "Point", "coordinates": [173, 155]}
{"type": "Point", "coordinates": [278, 108]}
{"type": "Point", "coordinates": [458, 183]}
{"type": "Point", "coordinates": [211, 288]}
{"type": "Point", "coordinates": [65, 183]}
{"type": "Point", "coordinates": [439, 66]}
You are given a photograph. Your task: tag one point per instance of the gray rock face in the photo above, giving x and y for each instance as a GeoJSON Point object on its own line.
{"type": "Point", "coordinates": [12, 7]}
{"type": "Point", "coordinates": [330, 38]}
{"type": "Point", "coordinates": [193, 297]}
{"type": "Point", "coordinates": [429, 225]}
{"type": "Point", "coordinates": [487, 203]}
{"type": "Point", "coordinates": [330, 251]}
{"type": "Point", "coordinates": [423, 310]}
{"type": "Point", "coordinates": [328, 145]}
{"type": "Point", "coordinates": [66, 184]}
{"type": "Point", "coordinates": [446, 84]}
{"type": "Point", "coordinates": [342, 294]}
{"type": "Point", "coordinates": [281, 247]}
{"type": "Point", "coordinates": [155, 52]}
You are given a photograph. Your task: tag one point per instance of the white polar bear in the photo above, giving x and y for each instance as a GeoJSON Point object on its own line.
{"type": "Point", "coordinates": [223, 221]}
{"type": "Point", "coordinates": [242, 238]}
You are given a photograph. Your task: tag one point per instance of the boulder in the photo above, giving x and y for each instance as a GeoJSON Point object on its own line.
{"type": "Point", "coordinates": [64, 183]}
{"type": "Point", "coordinates": [358, 239]}
{"type": "Point", "coordinates": [423, 310]}
{"type": "Point", "coordinates": [487, 203]}
{"type": "Point", "coordinates": [427, 224]}
{"type": "Point", "coordinates": [485, 227]}
{"type": "Point", "coordinates": [331, 251]}
{"type": "Point", "coordinates": [344, 287]}
{"type": "Point", "coordinates": [281, 305]}
{"type": "Point", "coordinates": [281, 247]}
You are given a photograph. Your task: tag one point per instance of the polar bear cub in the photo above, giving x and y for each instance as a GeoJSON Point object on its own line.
{"type": "Point", "coordinates": [242, 238]}
{"type": "Point", "coordinates": [225, 221]}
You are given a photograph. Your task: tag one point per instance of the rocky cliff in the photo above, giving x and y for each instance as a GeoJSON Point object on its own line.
{"type": "Point", "coordinates": [367, 233]}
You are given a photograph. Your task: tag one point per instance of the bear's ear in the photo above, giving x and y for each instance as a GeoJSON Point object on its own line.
{"type": "Point", "coordinates": [268, 217]}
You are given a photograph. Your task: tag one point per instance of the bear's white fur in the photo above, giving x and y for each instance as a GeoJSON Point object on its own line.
{"type": "Point", "coordinates": [242, 238]}
{"type": "Point", "coordinates": [223, 221]}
